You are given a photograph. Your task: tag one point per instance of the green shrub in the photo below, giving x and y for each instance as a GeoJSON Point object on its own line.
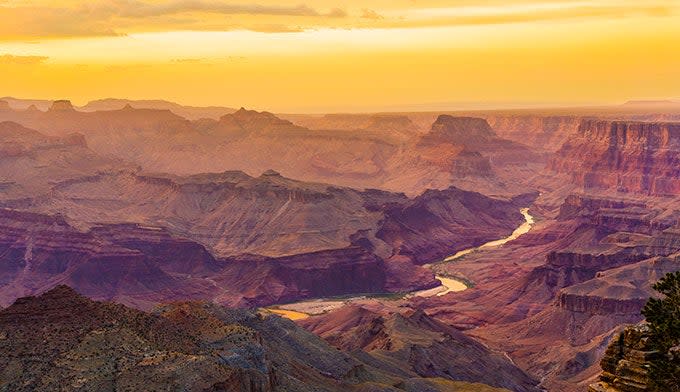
{"type": "Point", "coordinates": [663, 316]}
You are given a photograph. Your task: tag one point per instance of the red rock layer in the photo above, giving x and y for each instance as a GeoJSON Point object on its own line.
{"type": "Point", "coordinates": [623, 156]}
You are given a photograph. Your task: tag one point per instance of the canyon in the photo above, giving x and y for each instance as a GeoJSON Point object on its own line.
{"type": "Point", "coordinates": [193, 220]}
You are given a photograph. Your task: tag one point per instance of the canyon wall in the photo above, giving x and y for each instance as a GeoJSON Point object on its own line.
{"type": "Point", "coordinates": [622, 156]}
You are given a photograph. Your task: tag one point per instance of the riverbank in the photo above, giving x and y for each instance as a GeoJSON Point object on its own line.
{"type": "Point", "coordinates": [303, 309]}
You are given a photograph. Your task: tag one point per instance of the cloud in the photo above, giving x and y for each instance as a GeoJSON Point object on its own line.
{"type": "Point", "coordinates": [336, 13]}
{"type": "Point", "coordinates": [137, 9]}
{"type": "Point", "coordinates": [371, 14]}
{"type": "Point", "coordinates": [22, 60]}
{"type": "Point", "coordinates": [187, 60]}
{"type": "Point", "coordinates": [531, 12]}
{"type": "Point", "coordinates": [116, 17]}
{"type": "Point", "coordinates": [276, 28]}
{"type": "Point", "coordinates": [82, 18]}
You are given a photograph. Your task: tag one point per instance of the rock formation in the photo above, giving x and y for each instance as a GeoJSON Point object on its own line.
{"type": "Point", "coordinates": [625, 364]}
{"type": "Point", "coordinates": [544, 133]}
{"type": "Point", "coordinates": [623, 156]}
{"type": "Point", "coordinates": [366, 242]}
{"type": "Point", "coordinates": [458, 130]}
{"type": "Point", "coordinates": [419, 343]}
{"type": "Point", "coordinates": [62, 106]}
{"type": "Point", "coordinates": [61, 340]}
{"type": "Point", "coordinates": [381, 153]}
{"type": "Point", "coordinates": [188, 112]}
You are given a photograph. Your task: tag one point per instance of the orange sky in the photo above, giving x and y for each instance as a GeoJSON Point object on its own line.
{"type": "Point", "coordinates": [342, 56]}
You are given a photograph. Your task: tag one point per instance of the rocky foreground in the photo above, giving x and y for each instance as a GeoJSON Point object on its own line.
{"type": "Point", "coordinates": [625, 365]}
{"type": "Point", "coordinates": [62, 341]}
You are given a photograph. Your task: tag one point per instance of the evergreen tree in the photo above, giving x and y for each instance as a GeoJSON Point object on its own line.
{"type": "Point", "coordinates": [663, 316]}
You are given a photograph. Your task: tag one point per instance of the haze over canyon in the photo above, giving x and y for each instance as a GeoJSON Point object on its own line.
{"type": "Point", "coordinates": [387, 237]}
{"type": "Point", "coordinates": [356, 196]}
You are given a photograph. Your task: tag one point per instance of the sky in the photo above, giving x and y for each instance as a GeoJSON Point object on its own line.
{"type": "Point", "coordinates": [330, 56]}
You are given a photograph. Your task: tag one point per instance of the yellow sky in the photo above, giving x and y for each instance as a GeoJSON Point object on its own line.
{"type": "Point", "coordinates": [335, 56]}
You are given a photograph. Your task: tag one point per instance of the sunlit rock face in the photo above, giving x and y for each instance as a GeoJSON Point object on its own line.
{"type": "Point", "coordinates": [62, 106]}
{"type": "Point", "coordinates": [625, 365]}
{"type": "Point", "coordinates": [458, 130]}
{"type": "Point", "coordinates": [634, 157]}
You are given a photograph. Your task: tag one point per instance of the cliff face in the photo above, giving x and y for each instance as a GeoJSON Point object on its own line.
{"type": "Point", "coordinates": [420, 228]}
{"type": "Point", "coordinates": [625, 365]}
{"type": "Point", "coordinates": [255, 282]}
{"type": "Point", "coordinates": [544, 133]}
{"type": "Point", "coordinates": [619, 291]}
{"type": "Point", "coordinates": [458, 130]}
{"type": "Point", "coordinates": [585, 273]}
{"type": "Point", "coordinates": [467, 146]}
{"type": "Point", "coordinates": [623, 156]}
{"type": "Point", "coordinates": [142, 266]}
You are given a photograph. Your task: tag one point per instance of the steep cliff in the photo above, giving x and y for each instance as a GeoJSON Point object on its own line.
{"type": "Point", "coordinates": [623, 156]}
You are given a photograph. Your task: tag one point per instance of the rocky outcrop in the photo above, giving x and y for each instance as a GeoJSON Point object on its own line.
{"type": "Point", "coordinates": [414, 341]}
{"type": "Point", "coordinates": [61, 106]}
{"type": "Point", "coordinates": [623, 156]}
{"type": "Point", "coordinates": [470, 131]}
{"type": "Point", "coordinates": [62, 340]}
{"type": "Point", "coordinates": [16, 140]}
{"type": "Point", "coordinates": [582, 205]}
{"type": "Point", "coordinates": [245, 122]}
{"type": "Point", "coordinates": [32, 110]}
{"type": "Point", "coordinates": [469, 135]}
{"type": "Point", "coordinates": [619, 291]}
{"type": "Point", "coordinates": [257, 281]}
{"type": "Point", "coordinates": [83, 344]}
{"type": "Point", "coordinates": [40, 251]}
{"type": "Point", "coordinates": [421, 228]}
{"type": "Point", "coordinates": [605, 234]}
{"type": "Point", "coordinates": [625, 365]}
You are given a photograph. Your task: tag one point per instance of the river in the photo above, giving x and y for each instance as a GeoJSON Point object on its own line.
{"type": "Point", "coordinates": [303, 309]}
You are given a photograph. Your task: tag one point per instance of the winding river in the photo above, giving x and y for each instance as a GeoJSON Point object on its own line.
{"type": "Point", "coordinates": [304, 309]}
